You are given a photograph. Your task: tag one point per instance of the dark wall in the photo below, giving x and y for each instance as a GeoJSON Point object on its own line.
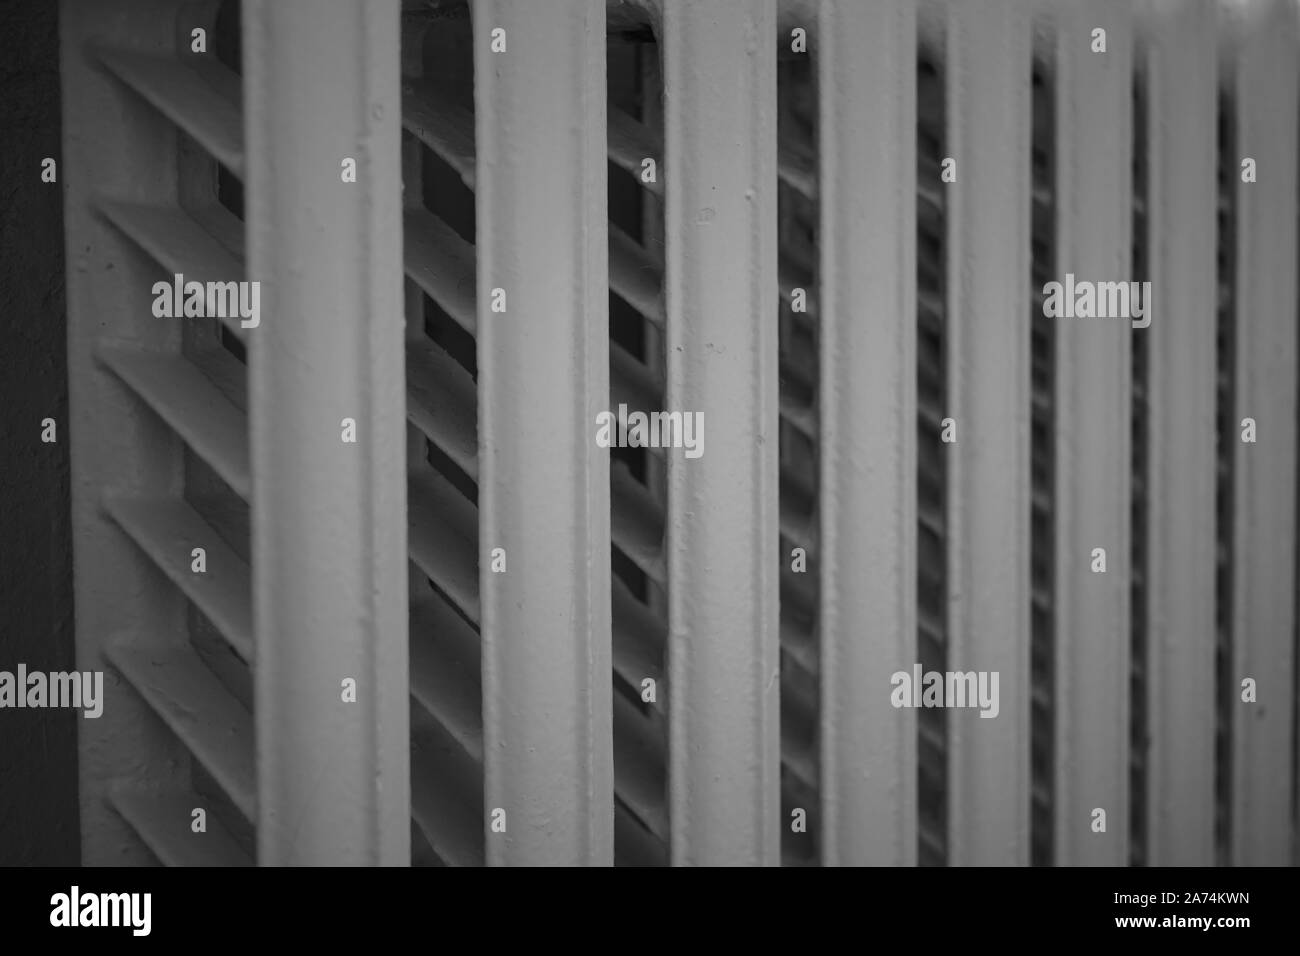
{"type": "Point", "coordinates": [38, 759]}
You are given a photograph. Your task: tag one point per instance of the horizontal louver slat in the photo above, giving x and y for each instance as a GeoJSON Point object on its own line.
{"type": "Point", "coordinates": [442, 264]}
{"type": "Point", "coordinates": [443, 126]}
{"type": "Point", "coordinates": [192, 406]}
{"type": "Point", "coordinates": [180, 244]}
{"type": "Point", "coordinates": [202, 713]}
{"type": "Point", "coordinates": [445, 671]}
{"type": "Point", "coordinates": [201, 96]}
{"type": "Point", "coordinates": [443, 538]}
{"type": "Point", "coordinates": [163, 821]}
{"type": "Point", "coordinates": [441, 403]}
{"type": "Point", "coordinates": [167, 530]}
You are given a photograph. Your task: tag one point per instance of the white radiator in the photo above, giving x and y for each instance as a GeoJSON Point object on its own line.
{"type": "Point", "coordinates": [825, 227]}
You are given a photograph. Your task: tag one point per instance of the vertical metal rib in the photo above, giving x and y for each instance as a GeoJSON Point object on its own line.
{"type": "Point", "coordinates": [866, 69]}
{"type": "Point", "coordinates": [1263, 78]}
{"type": "Point", "coordinates": [1179, 65]}
{"type": "Point", "coordinates": [1091, 434]}
{"type": "Point", "coordinates": [720, 192]}
{"type": "Point", "coordinates": [543, 378]}
{"type": "Point", "coordinates": [329, 535]}
{"type": "Point", "coordinates": [988, 95]}
{"type": "Point", "coordinates": [116, 145]}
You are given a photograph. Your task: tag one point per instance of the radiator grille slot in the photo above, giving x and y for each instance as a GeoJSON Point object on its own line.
{"type": "Point", "coordinates": [932, 489]}
{"type": "Point", "coordinates": [1138, 733]}
{"type": "Point", "coordinates": [1225, 419]}
{"type": "Point", "coordinates": [797, 217]}
{"type": "Point", "coordinates": [222, 358]}
{"type": "Point", "coordinates": [441, 367]}
{"type": "Point", "coordinates": [1043, 437]}
{"type": "Point", "coordinates": [637, 475]}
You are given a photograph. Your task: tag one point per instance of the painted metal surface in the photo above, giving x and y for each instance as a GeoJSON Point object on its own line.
{"type": "Point", "coordinates": [987, 73]}
{"type": "Point", "coordinates": [720, 236]}
{"type": "Point", "coordinates": [543, 481]}
{"type": "Point", "coordinates": [117, 146]}
{"type": "Point", "coordinates": [1178, 59]}
{"type": "Point", "coordinates": [1093, 217]}
{"type": "Point", "coordinates": [168, 530]}
{"type": "Point", "coordinates": [1262, 78]}
{"type": "Point", "coordinates": [329, 529]}
{"type": "Point", "coordinates": [196, 92]}
{"type": "Point", "coordinates": [866, 68]}
{"type": "Point", "coordinates": [330, 535]}
{"type": "Point", "coordinates": [192, 405]}
{"type": "Point", "coordinates": [165, 820]}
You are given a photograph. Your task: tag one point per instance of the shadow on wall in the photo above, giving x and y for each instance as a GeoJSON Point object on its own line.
{"type": "Point", "coordinates": [38, 748]}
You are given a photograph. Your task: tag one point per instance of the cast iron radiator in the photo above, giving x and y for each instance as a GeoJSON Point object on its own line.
{"type": "Point", "coordinates": [434, 620]}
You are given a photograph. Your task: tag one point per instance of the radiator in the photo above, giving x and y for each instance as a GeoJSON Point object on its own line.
{"type": "Point", "coordinates": [368, 589]}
